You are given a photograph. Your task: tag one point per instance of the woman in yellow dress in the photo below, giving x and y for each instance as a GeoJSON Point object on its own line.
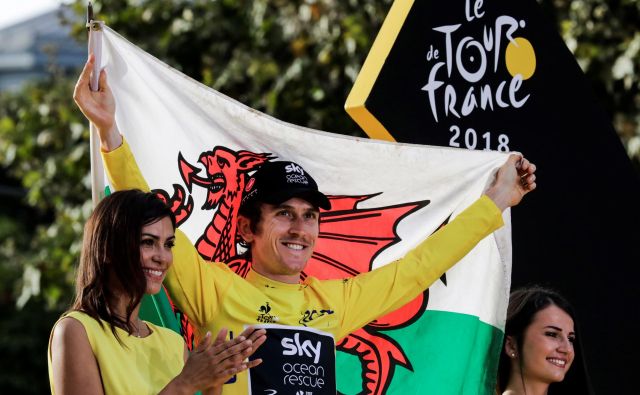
{"type": "Point", "coordinates": [101, 346]}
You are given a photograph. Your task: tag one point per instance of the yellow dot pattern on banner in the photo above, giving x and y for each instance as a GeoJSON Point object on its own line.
{"type": "Point", "coordinates": [520, 58]}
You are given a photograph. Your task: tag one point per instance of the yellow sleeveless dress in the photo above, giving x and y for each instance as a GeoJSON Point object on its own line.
{"type": "Point", "coordinates": [144, 366]}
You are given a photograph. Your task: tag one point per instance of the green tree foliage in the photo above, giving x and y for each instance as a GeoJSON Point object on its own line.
{"type": "Point", "coordinates": [295, 60]}
{"type": "Point", "coordinates": [43, 143]}
{"type": "Point", "coordinates": [605, 39]}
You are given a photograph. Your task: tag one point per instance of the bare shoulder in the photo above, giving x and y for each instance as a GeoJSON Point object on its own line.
{"type": "Point", "coordinates": [68, 332]}
{"type": "Point", "coordinates": [70, 346]}
{"type": "Point", "coordinates": [69, 325]}
{"type": "Point", "coordinates": [73, 365]}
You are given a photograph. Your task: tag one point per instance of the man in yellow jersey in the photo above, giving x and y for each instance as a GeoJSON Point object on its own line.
{"type": "Point", "coordinates": [279, 220]}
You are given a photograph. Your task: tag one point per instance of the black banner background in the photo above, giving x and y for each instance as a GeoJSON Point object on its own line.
{"type": "Point", "coordinates": [579, 232]}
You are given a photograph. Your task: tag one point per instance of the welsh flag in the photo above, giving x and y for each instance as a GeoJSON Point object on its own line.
{"type": "Point", "coordinates": [196, 147]}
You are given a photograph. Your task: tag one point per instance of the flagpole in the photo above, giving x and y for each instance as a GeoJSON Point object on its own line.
{"type": "Point", "coordinates": [95, 47]}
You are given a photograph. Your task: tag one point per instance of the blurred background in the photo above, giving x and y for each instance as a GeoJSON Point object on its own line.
{"type": "Point", "coordinates": [295, 60]}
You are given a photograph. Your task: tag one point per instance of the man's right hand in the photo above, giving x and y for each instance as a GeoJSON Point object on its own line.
{"type": "Point", "coordinates": [99, 107]}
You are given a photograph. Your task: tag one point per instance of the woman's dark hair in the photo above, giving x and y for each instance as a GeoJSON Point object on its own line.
{"type": "Point", "coordinates": [524, 303]}
{"type": "Point", "coordinates": [111, 252]}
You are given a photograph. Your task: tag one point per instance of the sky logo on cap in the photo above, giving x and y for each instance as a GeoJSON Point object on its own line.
{"type": "Point", "coordinates": [293, 168]}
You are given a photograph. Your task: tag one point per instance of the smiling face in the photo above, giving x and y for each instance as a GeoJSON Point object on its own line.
{"type": "Point", "coordinates": [156, 242]}
{"type": "Point", "coordinates": [283, 241]}
{"type": "Point", "coordinates": [547, 347]}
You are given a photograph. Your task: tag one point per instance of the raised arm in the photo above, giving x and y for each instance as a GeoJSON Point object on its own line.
{"type": "Point", "coordinates": [99, 107]}
{"type": "Point", "coordinates": [192, 282]}
{"type": "Point", "coordinates": [370, 295]}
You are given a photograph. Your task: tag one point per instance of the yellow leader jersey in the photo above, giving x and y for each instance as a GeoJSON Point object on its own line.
{"type": "Point", "coordinates": [214, 297]}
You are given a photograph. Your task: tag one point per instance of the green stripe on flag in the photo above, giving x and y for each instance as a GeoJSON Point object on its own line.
{"type": "Point", "coordinates": [450, 353]}
{"type": "Point", "coordinates": [157, 309]}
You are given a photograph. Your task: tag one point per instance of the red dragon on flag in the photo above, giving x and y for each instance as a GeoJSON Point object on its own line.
{"type": "Point", "coordinates": [350, 239]}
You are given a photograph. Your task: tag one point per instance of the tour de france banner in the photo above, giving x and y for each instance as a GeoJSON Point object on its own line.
{"type": "Point", "coordinates": [443, 73]}
{"type": "Point", "coordinates": [197, 148]}
{"type": "Point", "coordinates": [301, 361]}
{"type": "Point", "coordinates": [495, 74]}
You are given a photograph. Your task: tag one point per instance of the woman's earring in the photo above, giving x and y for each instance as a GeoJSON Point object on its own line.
{"type": "Point", "coordinates": [513, 355]}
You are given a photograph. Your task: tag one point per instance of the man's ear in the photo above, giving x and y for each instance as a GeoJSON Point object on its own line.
{"type": "Point", "coordinates": [244, 229]}
{"type": "Point", "coordinates": [510, 347]}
